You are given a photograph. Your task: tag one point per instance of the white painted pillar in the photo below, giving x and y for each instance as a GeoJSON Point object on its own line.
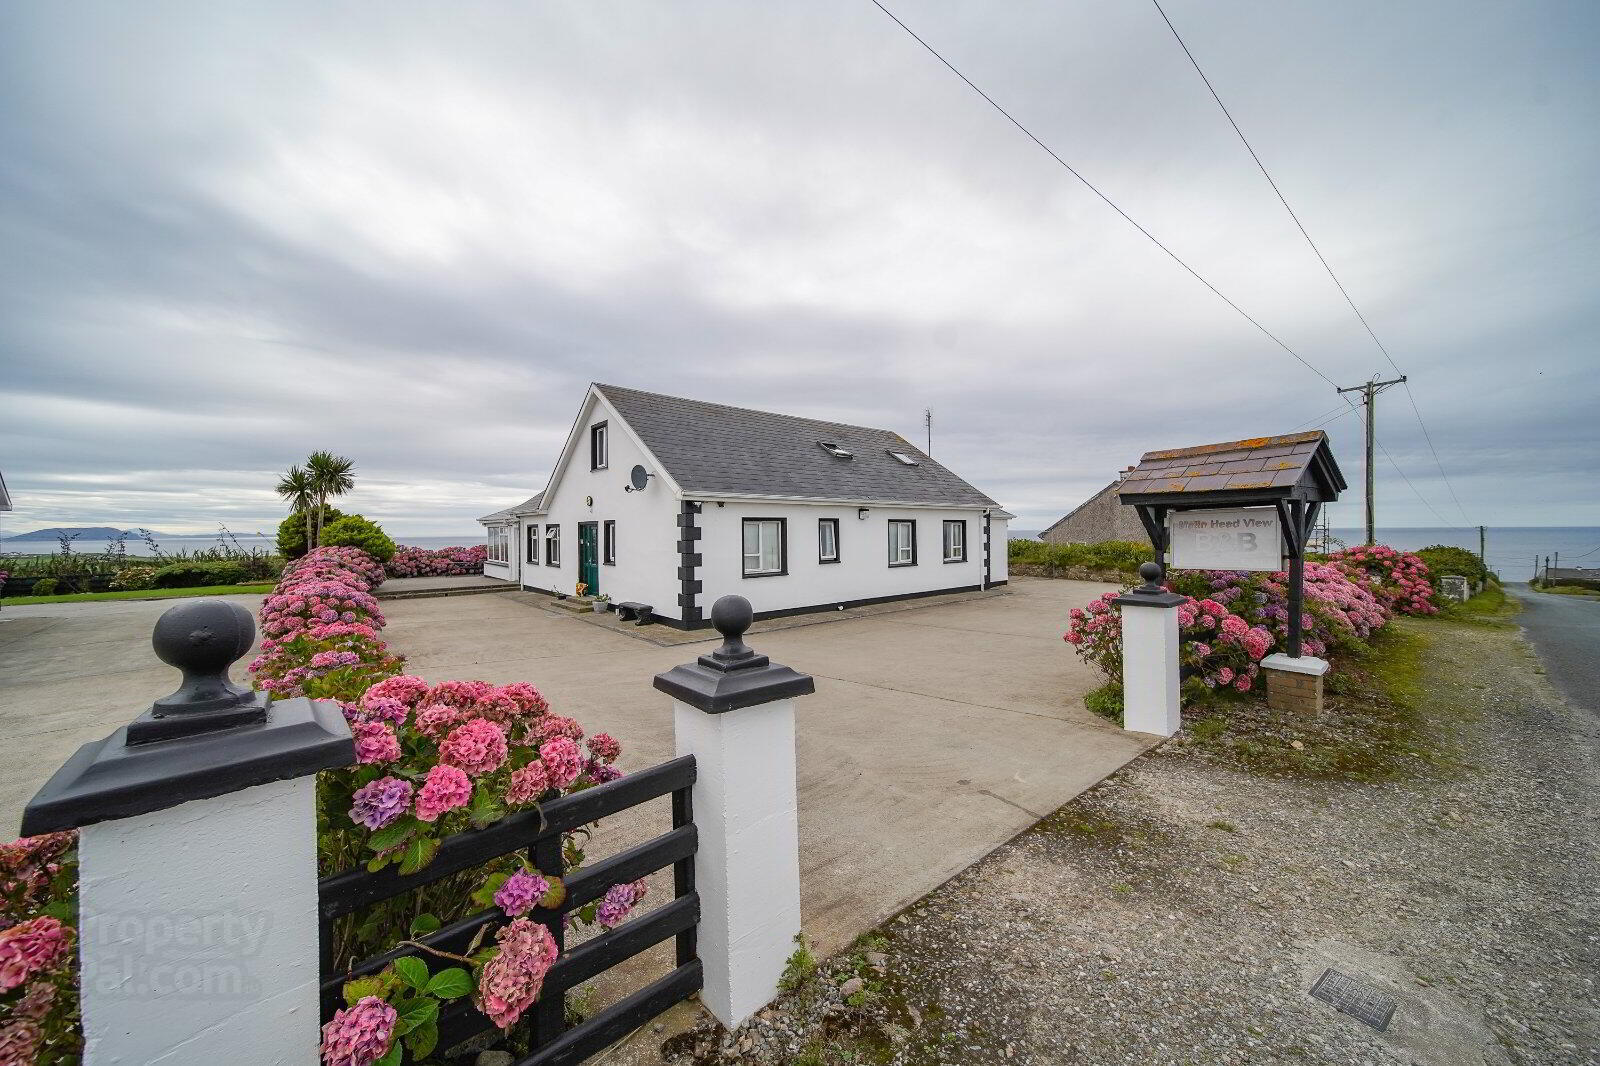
{"type": "Point", "coordinates": [197, 861]}
{"type": "Point", "coordinates": [747, 870]}
{"type": "Point", "coordinates": [198, 938]}
{"type": "Point", "coordinates": [733, 710]}
{"type": "Point", "coordinates": [1150, 702]}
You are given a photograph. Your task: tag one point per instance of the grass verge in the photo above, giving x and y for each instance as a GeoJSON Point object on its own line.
{"type": "Point", "coordinates": [142, 594]}
{"type": "Point", "coordinates": [1372, 725]}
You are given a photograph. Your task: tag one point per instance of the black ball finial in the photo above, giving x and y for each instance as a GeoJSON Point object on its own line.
{"type": "Point", "coordinates": [731, 616]}
{"type": "Point", "coordinates": [203, 638]}
{"type": "Point", "coordinates": [1152, 574]}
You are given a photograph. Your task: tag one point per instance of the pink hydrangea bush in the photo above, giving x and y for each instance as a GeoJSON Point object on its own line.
{"type": "Point", "coordinates": [1339, 612]}
{"type": "Point", "coordinates": [39, 1023]}
{"type": "Point", "coordinates": [438, 562]}
{"type": "Point", "coordinates": [1218, 650]}
{"type": "Point", "coordinates": [1399, 579]}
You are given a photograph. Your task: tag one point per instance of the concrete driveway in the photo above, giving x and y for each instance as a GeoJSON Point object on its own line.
{"type": "Point", "coordinates": [935, 735]}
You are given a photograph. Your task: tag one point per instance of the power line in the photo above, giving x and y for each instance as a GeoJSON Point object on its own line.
{"type": "Point", "coordinates": [1320, 257]}
{"type": "Point", "coordinates": [1109, 202]}
{"type": "Point", "coordinates": [1442, 520]}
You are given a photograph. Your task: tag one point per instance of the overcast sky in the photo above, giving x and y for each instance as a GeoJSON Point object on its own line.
{"type": "Point", "coordinates": [233, 233]}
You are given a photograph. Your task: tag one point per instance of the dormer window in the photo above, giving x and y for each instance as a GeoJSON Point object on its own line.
{"type": "Point", "coordinates": [598, 450]}
{"type": "Point", "coordinates": [905, 460]}
{"type": "Point", "coordinates": [836, 451]}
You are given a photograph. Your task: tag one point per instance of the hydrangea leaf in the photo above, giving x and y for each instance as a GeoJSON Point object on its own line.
{"type": "Point", "coordinates": [555, 896]}
{"type": "Point", "coordinates": [413, 971]}
{"type": "Point", "coordinates": [450, 984]}
{"type": "Point", "coordinates": [423, 924]}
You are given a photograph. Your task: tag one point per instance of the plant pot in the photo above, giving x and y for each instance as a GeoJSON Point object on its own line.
{"type": "Point", "coordinates": [601, 606]}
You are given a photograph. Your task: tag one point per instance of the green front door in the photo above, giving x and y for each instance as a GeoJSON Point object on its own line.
{"type": "Point", "coordinates": [589, 557]}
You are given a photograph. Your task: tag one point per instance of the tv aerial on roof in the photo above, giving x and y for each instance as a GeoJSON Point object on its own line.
{"type": "Point", "coordinates": [639, 479]}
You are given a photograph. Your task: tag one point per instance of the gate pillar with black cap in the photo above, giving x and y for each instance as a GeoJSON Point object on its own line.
{"type": "Point", "coordinates": [1282, 480]}
{"type": "Point", "coordinates": [1150, 701]}
{"type": "Point", "coordinates": [733, 710]}
{"type": "Point", "coordinates": [197, 860]}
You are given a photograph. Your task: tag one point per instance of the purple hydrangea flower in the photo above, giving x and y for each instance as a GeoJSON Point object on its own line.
{"type": "Point", "coordinates": [519, 892]}
{"type": "Point", "coordinates": [380, 803]}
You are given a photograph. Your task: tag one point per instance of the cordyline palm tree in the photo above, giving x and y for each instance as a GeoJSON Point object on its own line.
{"type": "Point", "coordinates": [296, 487]}
{"type": "Point", "coordinates": [331, 475]}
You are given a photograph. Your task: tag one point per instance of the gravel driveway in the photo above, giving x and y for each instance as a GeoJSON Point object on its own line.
{"type": "Point", "coordinates": [1180, 912]}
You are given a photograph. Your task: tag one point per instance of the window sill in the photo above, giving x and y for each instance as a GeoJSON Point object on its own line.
{"type": "Point", "coordinates": [827, 562]}
{"type": "Point", "coordinates": [947, 561]}
{"type": "Point", "coordinates": [897, 566]}
{"type": "Point", "coordinates": [774, 573]}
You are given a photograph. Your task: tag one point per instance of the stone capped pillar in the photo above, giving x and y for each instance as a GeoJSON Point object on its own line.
{"type": "Point", "coordinates": [1150, 699]}
{"type": "Point", "coordinates": [1294, 684]}
{"type": "Point", "coordinates": [733, 710]}
{"type": "Point", "coordinates": [197, 853]}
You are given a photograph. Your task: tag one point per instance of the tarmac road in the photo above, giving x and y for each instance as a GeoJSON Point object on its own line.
{"type": "Point", "coordinates": [1565, 631]}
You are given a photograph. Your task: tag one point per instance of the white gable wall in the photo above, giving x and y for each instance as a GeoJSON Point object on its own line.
{"type": "Point", "coordinates": [863, 572]}
{"type": "Point", "coordinates": [1000, 563]}
{"type": "Point", "coordinates": [646, 570]}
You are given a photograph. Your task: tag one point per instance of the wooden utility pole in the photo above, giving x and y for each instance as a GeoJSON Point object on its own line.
{"type": "Point", "coordinates": [1369, 392]}
{"type": "Point", "coordinates": [1482, 540]}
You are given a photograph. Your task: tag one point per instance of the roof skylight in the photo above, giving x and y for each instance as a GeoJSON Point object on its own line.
{"type": "Point", "coordinates": [905, 459]}
{"type": "Point", "coordinates": [836, 451]}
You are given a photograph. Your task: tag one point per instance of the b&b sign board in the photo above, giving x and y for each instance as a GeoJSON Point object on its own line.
{"type": "Point", "coordinates": [1235, 538]}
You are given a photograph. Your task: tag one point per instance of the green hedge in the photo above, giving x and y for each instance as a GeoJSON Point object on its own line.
{"type": "Point", "coordinates": [1124, 555]}
{"type": "Point", "coordinates": [198, 574]}
{"type": "Point", "coordinates": [1445, 559]}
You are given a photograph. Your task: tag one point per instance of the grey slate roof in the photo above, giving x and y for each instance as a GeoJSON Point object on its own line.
{"type": "Point", "coordinates": [530, 504]}
{"type": "Point", "coordinates": [5, 497]}
{"type": "Point", "coordinates": [710, 449]}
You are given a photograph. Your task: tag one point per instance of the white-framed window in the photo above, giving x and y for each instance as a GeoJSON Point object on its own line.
{"type": "Point", "coordinates": [499, 544]}
{"type": "Point", "coordinates": [764, 547]}
{"type": "Point", "coordinates": [827, 540]}
{"type": "Point", "coordinates": [955, 540]}
{"type": "Point", "coordinates": [599, 447]}
{"type": "Point", "coordinates": [608, 554]}
{"type": "Point", "coordinates": [902, 542]}
{"type": "Point", "coordinates": [533, 543]}
{"type": "Point", "coordinates": [552, 545]}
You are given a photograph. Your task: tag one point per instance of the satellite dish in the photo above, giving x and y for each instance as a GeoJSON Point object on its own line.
{"type": "Point", "coordinates": [640, 477]}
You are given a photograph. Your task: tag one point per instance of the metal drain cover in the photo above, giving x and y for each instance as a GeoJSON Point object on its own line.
{"type": "Point", "coordinates": [1355, 997]}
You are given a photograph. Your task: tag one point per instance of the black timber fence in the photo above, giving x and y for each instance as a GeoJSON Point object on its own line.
{"type": "Point", "coordinates": [540, 832]}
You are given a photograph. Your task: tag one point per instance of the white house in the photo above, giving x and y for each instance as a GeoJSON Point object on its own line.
{"type": "Point", "coordinates": [672, 503]}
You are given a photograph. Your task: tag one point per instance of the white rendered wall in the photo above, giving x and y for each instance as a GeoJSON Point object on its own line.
{"type": "Point", "coordinates": [863, 571]}
{"type": "Point", "coordinates": [1150, 670]}
{"type": "Point", "coordinates": [199, 932]}
{"type": "Point", "coordinates": [1000, 549]}
{"type": "Point", "coordinates": [646, 570]}
{"type": "Point", "coordinates": [747, 869]}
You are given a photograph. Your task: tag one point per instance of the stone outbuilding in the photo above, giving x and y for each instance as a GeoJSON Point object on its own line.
{"type": "Point", "coordinates": [1100, 517]}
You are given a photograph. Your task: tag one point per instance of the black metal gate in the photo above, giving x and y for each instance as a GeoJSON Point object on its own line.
{"type": "Point", "coordinates": [541, 831]}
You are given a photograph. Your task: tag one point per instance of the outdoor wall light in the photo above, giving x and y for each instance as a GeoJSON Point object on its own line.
{"type": "Point", "coordinates": [861, 513]}
{"type": "Point", "coordinates": [588, 501]}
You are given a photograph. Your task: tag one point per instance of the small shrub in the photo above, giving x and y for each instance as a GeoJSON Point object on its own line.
{"type": "Point", "coordinates": [292, 531]}
{"type": "Point", "coordinates": [45, 586]}
{"type": "Point", "coordinates": [1106, 701]}
{"type": "Point", "coordinates": [197, 575]}
{"type": "Point", "coordinates": [1446, 559]}
{"type": "Point", "coordinates": [354, 531]}
{"type": "Point", "coordinates": [133, 579]}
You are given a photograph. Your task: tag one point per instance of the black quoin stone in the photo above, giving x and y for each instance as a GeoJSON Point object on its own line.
{"type": "Point", "coordinates": [734, 675]}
